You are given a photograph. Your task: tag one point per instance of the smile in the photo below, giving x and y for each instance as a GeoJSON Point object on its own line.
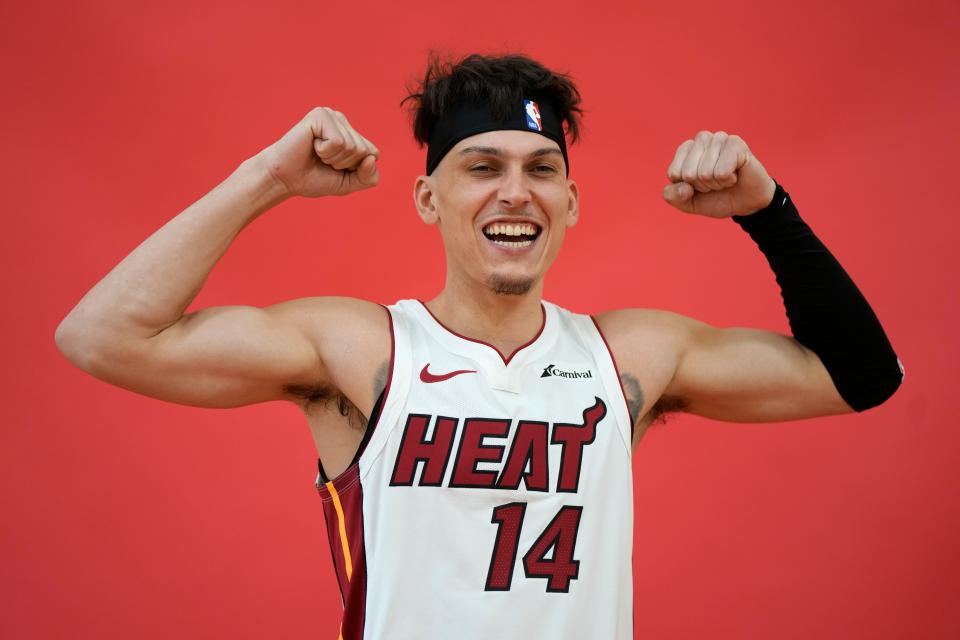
{"type": "Point", "coordinates": [514, 235]}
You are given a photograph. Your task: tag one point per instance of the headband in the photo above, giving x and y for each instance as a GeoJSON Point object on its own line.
{"type": "Point", "coordinates": [467, 120]}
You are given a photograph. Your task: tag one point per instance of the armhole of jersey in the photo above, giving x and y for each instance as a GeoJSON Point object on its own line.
{"type": "Point", "coordinates": [373, 421]}
{"type": "Point", "coordinates": [371, 426]}
{"type": "Point", "coordinates": [616, 372]}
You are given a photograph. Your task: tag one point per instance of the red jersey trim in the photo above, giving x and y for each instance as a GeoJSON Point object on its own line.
{"type": "Point", "coordinates": [506, 360]}
{"type": "Point", "coordinates": [623, 393]}
{"type": "Point", "coordinates": [345, 532]}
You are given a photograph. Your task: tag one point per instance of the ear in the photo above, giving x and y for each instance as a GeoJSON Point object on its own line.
{"type": "Point", "coordinates": [573, 203]}
{"type": "Point", "coordinates": [423, 199]}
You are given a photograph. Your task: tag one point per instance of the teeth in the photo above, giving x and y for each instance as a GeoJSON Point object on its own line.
{"type": "Point", "coordinates": [521, 229]}
{"type": "Point", "coordinates": [522, 243]}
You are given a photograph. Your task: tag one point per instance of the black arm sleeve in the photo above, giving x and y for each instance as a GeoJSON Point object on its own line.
{"type": "Point", "coordinates": [827, 312]}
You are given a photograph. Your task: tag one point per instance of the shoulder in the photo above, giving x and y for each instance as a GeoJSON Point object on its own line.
{"type": "Point", "coordinates": [651, 338]}
{"type": "Point", "coordinates": [351, 336]}
{"type": "Point", "coordinates": [633, 328]}
{"type": "Point", "coordinates": [323, 318]}
{"type": "Point", "coordinates": [321, 308]}
{"type": "Point", "coordinates": [647, 345]}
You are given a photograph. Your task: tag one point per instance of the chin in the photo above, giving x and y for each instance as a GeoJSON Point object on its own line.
{"type": "Point", "coordinates": [515, 286]}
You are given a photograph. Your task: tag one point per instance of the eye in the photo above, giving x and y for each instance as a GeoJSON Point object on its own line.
{"type": "Point", "coordinates": [482, 168]}
{"type": "Point", "coordinates": [545, 168]}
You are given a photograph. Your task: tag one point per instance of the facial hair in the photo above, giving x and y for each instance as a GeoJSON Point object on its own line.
{"type": "Point", "coordinates": [509, 287]}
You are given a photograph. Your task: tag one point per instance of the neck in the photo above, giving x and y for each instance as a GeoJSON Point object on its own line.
{"type": "Point", "coordinates": [506, 322]}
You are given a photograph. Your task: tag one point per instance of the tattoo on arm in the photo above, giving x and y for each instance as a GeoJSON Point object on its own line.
{"type": "Point", "coordinates": [635, 400]}
{"type": "Point", "coordinates": [634, 395]}
{"type": "Point", "coordinates": [380, 380]}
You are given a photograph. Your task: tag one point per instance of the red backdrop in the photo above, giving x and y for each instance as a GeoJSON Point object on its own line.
{"type": "Point", "coordinates": [128, 517]}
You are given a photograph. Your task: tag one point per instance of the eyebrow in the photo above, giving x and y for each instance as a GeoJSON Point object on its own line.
{"type": "Point", "coordinates": [494, 151]}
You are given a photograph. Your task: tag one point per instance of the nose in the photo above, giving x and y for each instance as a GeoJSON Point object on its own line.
{"type": "Point", "coordinates": [514, 188]}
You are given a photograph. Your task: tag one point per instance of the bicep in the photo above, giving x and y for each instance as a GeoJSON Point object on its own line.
{"type": "Point", "coordinates": [750, 375]}
{"type": "Point", "coordinates": [222, 357]}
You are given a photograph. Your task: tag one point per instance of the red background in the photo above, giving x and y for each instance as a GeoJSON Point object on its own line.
{"type": "Point", "coordinates": [124, 516]}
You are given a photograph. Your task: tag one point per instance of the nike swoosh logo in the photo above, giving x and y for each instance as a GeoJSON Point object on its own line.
{"type": "Point", "coordinates": [428, 377]}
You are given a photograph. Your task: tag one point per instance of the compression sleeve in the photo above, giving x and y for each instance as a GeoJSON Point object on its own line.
{"type": "Point", "coordinates": [827, 312]}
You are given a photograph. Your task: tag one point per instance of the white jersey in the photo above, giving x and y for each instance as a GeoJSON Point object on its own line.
{"type": "Point", "coordinates": [493, 497]}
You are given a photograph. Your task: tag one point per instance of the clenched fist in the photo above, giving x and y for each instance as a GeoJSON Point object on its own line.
{"type": "Point", "coordinates": [716, 175]}
{"type": "Point", "coordinates": [322, 155]}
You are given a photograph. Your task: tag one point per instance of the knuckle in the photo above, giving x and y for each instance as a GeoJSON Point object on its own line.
{"type": "Point", "coordinates": [703, 136]}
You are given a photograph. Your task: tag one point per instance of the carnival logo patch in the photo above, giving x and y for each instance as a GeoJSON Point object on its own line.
{"type": "Point", "coordinates": [533, 115]}
{"type": "Point", "coordinates": [553, 371]}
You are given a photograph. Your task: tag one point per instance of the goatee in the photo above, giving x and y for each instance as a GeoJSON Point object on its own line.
{"type": "Point", "coordinates": [510, 287]}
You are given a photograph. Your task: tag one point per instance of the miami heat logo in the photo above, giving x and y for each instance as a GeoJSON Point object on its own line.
{"type": "Point", "coordinates": [533, 115]}
{"type": "Point", "coordinates": [526, 460]}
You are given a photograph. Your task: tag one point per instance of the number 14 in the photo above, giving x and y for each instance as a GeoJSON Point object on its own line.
{"type": "Point", "coordinates": [560, 535]}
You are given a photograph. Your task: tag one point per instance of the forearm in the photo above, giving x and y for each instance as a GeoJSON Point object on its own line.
{"type": "Point", "coordinates": [827, 312]}
{"type": "Point", "coordinates": [152, 287]}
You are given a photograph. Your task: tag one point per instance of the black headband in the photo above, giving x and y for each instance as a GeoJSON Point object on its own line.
{"type": "Point", "coordinates": [467, 120]}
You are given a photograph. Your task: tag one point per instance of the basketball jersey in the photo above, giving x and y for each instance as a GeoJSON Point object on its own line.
{"type": "Point", "coordinates": [492, 497]}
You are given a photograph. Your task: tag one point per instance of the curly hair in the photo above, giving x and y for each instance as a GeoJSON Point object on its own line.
{"type": "Point", "coordinates": [496, 81]}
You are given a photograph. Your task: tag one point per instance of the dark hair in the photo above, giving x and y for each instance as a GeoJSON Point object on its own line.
{"type": "Point", "coordinates": [496, 81]}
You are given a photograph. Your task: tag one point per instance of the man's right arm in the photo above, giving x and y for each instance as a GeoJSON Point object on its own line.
{"type": "Point", "coordinates": [131, 330]}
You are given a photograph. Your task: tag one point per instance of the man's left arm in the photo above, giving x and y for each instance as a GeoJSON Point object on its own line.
{"type": "Point", "coordinates": [838, 359]}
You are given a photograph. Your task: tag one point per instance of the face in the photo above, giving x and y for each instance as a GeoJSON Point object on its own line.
{"type": "Point", "coordinates": [502, 202]}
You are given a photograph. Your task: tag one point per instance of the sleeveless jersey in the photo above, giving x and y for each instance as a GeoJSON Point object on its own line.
{"type": "Point", "coordinates": [492, 497]}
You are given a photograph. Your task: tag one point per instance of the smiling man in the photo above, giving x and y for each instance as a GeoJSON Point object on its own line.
{"type": "Point", "coordinates": [476, 449]}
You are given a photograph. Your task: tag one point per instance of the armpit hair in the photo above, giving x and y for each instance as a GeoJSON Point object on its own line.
{"type": "Point", "coordinates": [313, 395]}
{"type": "Point", "coordinates": [660, 412]}
{"type": "Point", "coordinates": [310, 393]}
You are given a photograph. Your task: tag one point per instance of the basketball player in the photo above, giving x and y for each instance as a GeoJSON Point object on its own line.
{"type": "Point", "coordinates": [475, 449]}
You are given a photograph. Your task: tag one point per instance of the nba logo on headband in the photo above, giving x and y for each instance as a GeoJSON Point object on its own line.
{"type": "Point", "coordinates": [533, 115]}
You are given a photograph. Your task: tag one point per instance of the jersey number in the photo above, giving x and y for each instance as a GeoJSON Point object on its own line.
{"type": "Point", "coordinates": [560, 537]}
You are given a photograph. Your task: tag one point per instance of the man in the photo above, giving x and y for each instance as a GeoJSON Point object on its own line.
{"type": "Point", "coordinates": [489, 494]}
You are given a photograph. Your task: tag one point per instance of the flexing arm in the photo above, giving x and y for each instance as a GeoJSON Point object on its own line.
{"type": "Point", "coordinates": [131, 330]}
{"type": "Point", "coordinates": [838, 359]}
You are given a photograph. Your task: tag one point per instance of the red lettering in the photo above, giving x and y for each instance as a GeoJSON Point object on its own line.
{"type": "Point", "coordinates": [560, 536]}
{"type": "Point", "coordinates": [472, 451]}
{"type": "Point", "coordinates": [574, 437]}
{"type": "Point", "coordinates": [529, 445]}
{"type": "Point", "coordinates": [527, 460]}
{"type": "Point", "coordinates": [414, 448]}
{"type": "Point", "coordinates": [509, 519]}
